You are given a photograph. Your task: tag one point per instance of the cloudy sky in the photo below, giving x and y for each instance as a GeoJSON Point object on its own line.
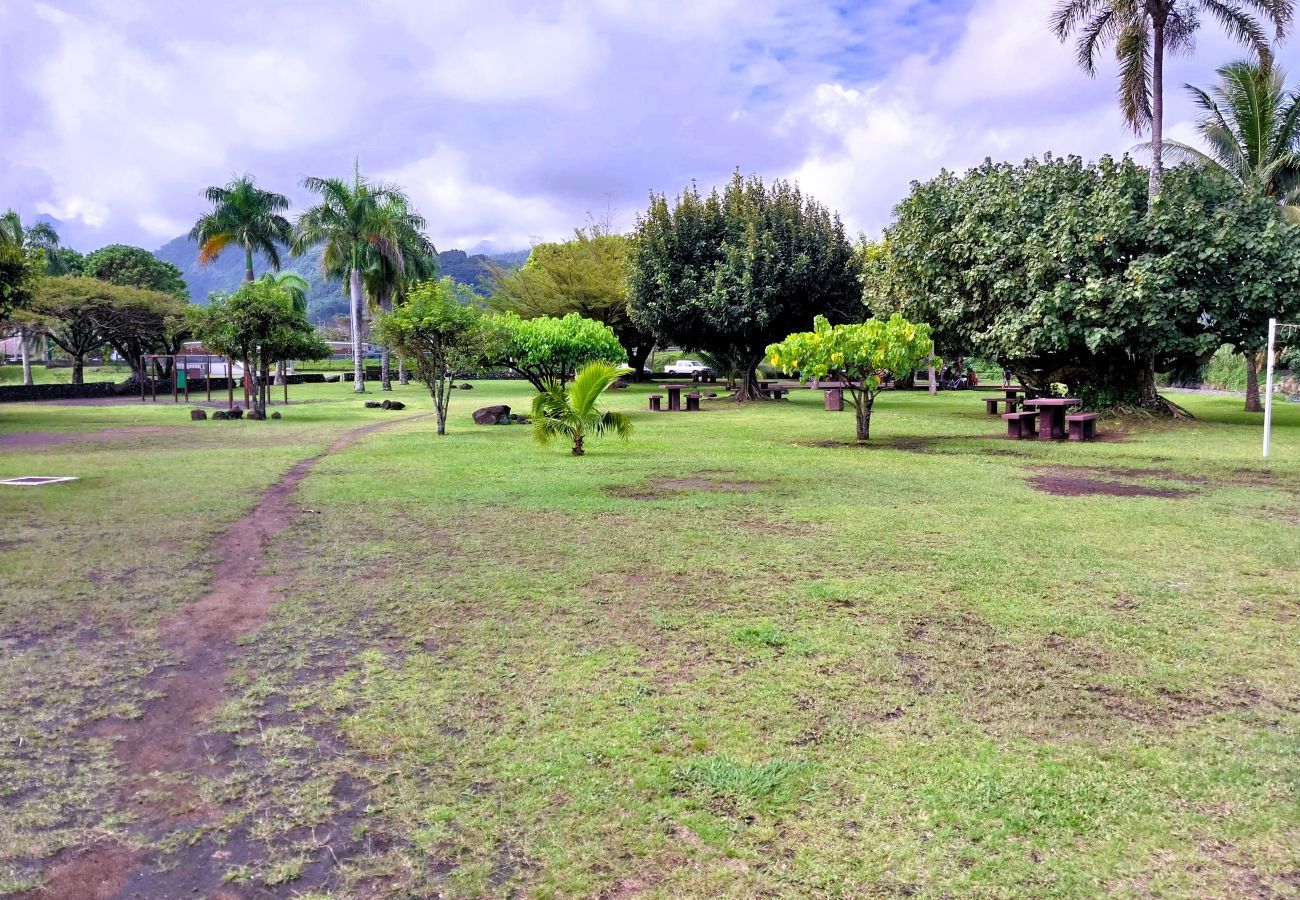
{"type": "Point", "coordinates": [509, 122]}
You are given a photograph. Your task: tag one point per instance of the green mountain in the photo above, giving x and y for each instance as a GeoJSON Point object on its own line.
{"type": "Point", "coordinates": [327, 298]}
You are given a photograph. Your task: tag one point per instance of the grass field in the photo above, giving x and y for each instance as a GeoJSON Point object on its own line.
{"type": "Point", "coordinates": [734, 657]}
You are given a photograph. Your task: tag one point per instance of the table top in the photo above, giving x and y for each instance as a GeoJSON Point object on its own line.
{"type": "Point", "coordinates": [674, 387]}
{"type": "Point", "coordinates": [1054, 401]}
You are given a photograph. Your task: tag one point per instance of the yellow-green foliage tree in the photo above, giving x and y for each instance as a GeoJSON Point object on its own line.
{"type": "Point", "coordinates": [859, 355]}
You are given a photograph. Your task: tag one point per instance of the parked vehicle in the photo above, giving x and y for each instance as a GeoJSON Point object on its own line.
{"type": "Point", "coordinates": [685, 367]}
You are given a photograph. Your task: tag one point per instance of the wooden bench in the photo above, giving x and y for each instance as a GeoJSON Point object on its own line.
{"type": "Point", "coordinates": [1082, 426]}
{"type": "Point", "coordinates": [693, 401]}
{"type": "Point", "coordinates": [656, 402]}
{"type": "Point", "coordinates": [991, 404]}
{"type": "Point", "coordinates": [1021, 424]}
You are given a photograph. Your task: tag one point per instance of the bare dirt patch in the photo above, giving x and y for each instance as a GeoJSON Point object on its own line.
{"type": "Point", "coordinates": [96, 874]}
{"type": "Point", "coordinates": [1064, 483]}
{"type": "Point", "coordinates": [171, 735]}
{"type": "Point", "coordinates": [43, 440]}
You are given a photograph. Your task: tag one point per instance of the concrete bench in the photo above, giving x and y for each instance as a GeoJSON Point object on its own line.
{"type": "Point", "coordinates": [1021, 424]}
{"type": "Point", "coordinates": [991, 404]}
{"type": "Point", "coordinates": [693, 401]}
{"type": "Point", "coordinates": [776, 393]}
{"type": "Point", "coordinates": [1082, 426]}
{"type": "Point", "coordinates": [656, 402]}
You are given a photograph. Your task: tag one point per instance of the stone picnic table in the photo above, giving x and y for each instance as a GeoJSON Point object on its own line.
{"type": "Point", "coordinates": [675, 395]}
{"type": "Point", "coordinates": [1051, 425]}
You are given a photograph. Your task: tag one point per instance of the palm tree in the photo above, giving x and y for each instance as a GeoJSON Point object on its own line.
{"type": "Point", "coordinates": [347, 222]}
{"type": "Point", "coordinates": [297, 288]}
{"type": "Point", "coordinates": [40, 236]}
{"type": "Point", "coordinates": [385, 280]}
{"type": "Point", "coordinates": [572, 414]}
{"type": "Point", "coordinates": [246, 216]}
{"type": "Point", "coordinates": [1144, 32]}
{"type": "Point", "coordinates": [1251, 124]}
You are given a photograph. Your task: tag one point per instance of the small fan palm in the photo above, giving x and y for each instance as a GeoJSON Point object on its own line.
{"type": "Point", "coordinates": [571, 412]}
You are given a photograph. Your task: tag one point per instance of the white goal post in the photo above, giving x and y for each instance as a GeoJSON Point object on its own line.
{"type": "Point", "coordinates": [1273, 326]}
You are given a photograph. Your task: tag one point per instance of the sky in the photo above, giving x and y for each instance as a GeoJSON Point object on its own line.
{"type": "Point", "coordinates": [513, 122]}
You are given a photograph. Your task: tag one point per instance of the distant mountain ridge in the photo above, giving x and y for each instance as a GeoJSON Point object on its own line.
{"type": "Point", "coordinates": [327, 298]}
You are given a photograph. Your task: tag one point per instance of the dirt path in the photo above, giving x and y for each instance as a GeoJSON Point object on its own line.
{"type": "Point", "coordinates": [168, 737]}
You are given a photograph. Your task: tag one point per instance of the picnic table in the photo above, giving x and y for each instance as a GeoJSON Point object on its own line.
{"type": "Point", "coordinates": [1052, 409]}
{"type": "Point", "coordinates": [675, 395]}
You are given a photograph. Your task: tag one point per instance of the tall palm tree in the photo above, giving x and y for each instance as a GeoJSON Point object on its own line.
{"type": "Point", "coordinates": [246, 216]}
{"type": "Point", "coordinates": [571, 412]}
{"type": "Point", "coordinates": [1144, 32]}
{"type": "Point", "coordinates": [348, 221]}
{"type": "Point", "coordinates": [42, 237]}
{"type": "Point", "coordinates": [1251, 124]}
{"type": "Point", "coordinates": [385, 280]}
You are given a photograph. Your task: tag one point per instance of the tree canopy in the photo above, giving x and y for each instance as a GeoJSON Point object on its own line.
{"type": "Point", "coordinates": [135, 267]}
{"type": "Point", "coordinates": [731, 272]}
{"type": "Point", "coordinates": [546, 348]}
{"type": "Point", "coordinates": [246, 216]}
{"type": "Point", "coordinates": [1064, 272]}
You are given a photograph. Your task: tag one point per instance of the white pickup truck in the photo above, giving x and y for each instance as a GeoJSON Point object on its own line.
{"type": "Point", "coordinates": [685, 367]}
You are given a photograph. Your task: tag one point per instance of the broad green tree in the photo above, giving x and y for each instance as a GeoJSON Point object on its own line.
{"type": "Point", "coordinates": [570, 411]}
{"type": "Point", "coordinates": [438, 330]}
{"type": "Point", "coordinates": [246, 216]}
{"type": "Point", "coordinates": [587, 275]}
{"type": "Point", "coordinates": [259, 326]}
{"type": "Point", "coordinates": [546, 349]}
{"type": "Point", "coordinates": [38, 239]}
{"type": "Point", "coordinates": [135, 267]}
{"type": "Point", "coordinates": [858, 355]}
{"type": "Point", "coordinates": [733, 271]}
{"type": "Point", "coordinates": [348, 221]}
{"type": "Point", "coordinates": [1250, 123]}
{"type": "Point", "coordinates": [1145, 32]}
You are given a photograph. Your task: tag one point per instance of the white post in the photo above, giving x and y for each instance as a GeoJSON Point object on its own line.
{"type": "Point", "coordinates": [1268, 384]}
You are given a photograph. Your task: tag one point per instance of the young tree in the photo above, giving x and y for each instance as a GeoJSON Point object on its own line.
{"type": "Point", "coordinates": [259, 326]}
{"type": "Point", "coordinates": [571, 413]}
{"type": "Point", "coordinates": [1144, 32]}
{"type": "Point", "coordinates": [857, 355]}
{"type": "Point", "coordinates": [734, 271]}
{"type": "Point", "coordinates": [1251, 123]}
{"type": "Point", "coordinates": [349, 220]}
{"type": "Point", "coordinates": [587, 275]}
{"type": "Point", "coordinates": [437, 330]}
{"type": "Point", "coordinates": [546, 349]}
{"type": "Point", "coordinates": [244, 216]}
{"type": "Point", "coordinates": [135, 267]}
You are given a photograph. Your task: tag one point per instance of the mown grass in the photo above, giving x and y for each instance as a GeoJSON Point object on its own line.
{"type": "Point", "coordinates": [812, 669]}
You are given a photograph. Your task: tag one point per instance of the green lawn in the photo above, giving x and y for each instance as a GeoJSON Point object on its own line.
{"type": "Point", "coordinates": [730, 658]}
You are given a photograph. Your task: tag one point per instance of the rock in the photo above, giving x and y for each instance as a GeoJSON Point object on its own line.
{"type": "Point", "coordinates": [275, 415]}
{"type": "Point", "coordinates": [235, 413]}
{"type": "Point", "coordinates": [387, 404]}
{"type": "Point", "coordinates": [198, 415]}
{"type": "Point", "coordinates": [711, 394]}
{"type": "Point", "coordinates": [618, 385]}
{"type": "Point", "coordinates": [255, 415]}
{"type": "Point", "coordinates": [467, 386]}
{"type": "Point", "coordinates": [373, 404]}
{"type": "Point", "coordinates": [1289, 384]}
{"type": "Point", "coordinates": [333, 379]}
{"type": "Point", "coordinates": [396, 404]}
{"type": "Point", "coordinates": [491, 415]}
{"type": "Point", "coordinates": [219, 414]}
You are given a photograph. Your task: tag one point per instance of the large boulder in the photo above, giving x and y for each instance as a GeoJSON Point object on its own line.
{"type": "Point", "coordinates": [198, 415]}
{"type": "Point", "coordinates": [373, 404]}
{"type": "Point", "coordinates": [491, 415]}
{"type": "Point", "coordinates": [275, 415]}
{"type": "Point", "coordinates": [396, 404]}
{"type": "Point", "coordinates": [220, 415]}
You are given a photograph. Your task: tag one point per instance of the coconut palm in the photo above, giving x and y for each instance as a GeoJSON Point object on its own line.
{"type": "Point", "coordinates": [349, 222]}
{"type": "Point", "coordinates": [1144, 32]}
{"type": "Point", "coordinates": [245, 216]}
{"type": "Point", "coordinates": [385, 279]}
{"type": "Point", "coordinates": [571, 412]}
{"type": "Point", "coordinates": [42, 237]}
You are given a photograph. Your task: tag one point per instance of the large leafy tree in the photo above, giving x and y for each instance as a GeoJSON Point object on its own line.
{"type": "Point", "coordinates": [135, 267]}
{"type": "Point", "coordinates": [1250, 123]}
{"type": "Point", "coordinates": [259, 325]}
{"type": "Point", "coordinates": [38, 240]}
{"type": "Point", "coordinates": [386, 278]}
{"type": "Point", "coordinates": [1068, 274]}
{"type": "Point", "coordinates": [1144, 32]}
{"type": "Point", "coordinates": [76, 313]}
{"type": "Point", "coordinates": [349, 223]}
{"type": "Point", "coordinates": [733, 271]}
{"type": "Point", "coordinates": [246, 216]}
{"type": "Point", "coordinates": [857, 355]}
{"type": "Point", "coordinates": [438, 330]}
{"type": "Point", "coordinates": [587, 275]}
{"type": "Point", "coordinates": [570, 412]}
{"type": "Point", "coordinates": [545, 349]}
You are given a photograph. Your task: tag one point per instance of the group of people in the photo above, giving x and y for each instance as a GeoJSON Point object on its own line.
{"type": "Point", "coordinates": [951, 379]}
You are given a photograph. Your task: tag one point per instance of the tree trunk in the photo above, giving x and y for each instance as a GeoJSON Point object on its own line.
{"type": "Point", "coordinates": [403, 376]}
{"type": "Point", "coordinates": [863, 409]}
{"type": "Point", "coordinates": [25, 350]}
{"type": "Point", "coordinates": [637, 354]}
{"type": "Point", "coordinates": [386, 375]}
{"type": "Point", "coordinates": [577, 445]}
{"type": "Point", "coordinates": [748, 381]}
{"type": "Point", "coordinates": [1157, 110]}
{"type": "Point", "coordinates": [358, 364]}
{"type": "Point", "coordinates": [78, 369]}
{"type": "Point", "coordinates": [1148, 396]}
{"type": "Point", "coordinates": [1253, 403]}
{"type": "Point", "coordinates": [248, 263]}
